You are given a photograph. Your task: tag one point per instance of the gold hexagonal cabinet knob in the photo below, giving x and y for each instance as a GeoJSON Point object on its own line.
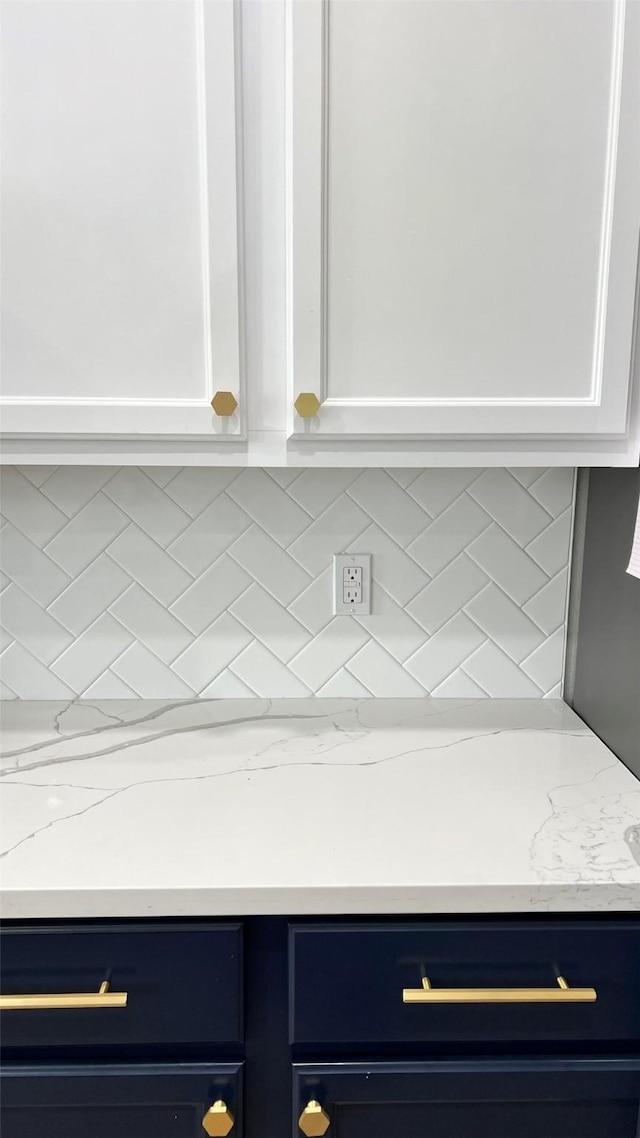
{"type": "Point", "coordinates": [224, 403]}
{"type": "Point", "coordinates": [307, 405]}
{"type": "Point", "coordinates": [314, 1121]}
{"type": "Point", "coordinates": [218, 1121]}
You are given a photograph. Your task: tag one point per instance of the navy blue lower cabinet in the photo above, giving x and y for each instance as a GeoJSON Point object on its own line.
{"type": "Point", "coordinates": [570, 1098]}
{"type": "Point", "coordinates": [119, 1101]}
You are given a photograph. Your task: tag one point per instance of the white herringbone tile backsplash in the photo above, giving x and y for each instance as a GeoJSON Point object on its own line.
{"type": "Point", "coordinates": [165, 583]}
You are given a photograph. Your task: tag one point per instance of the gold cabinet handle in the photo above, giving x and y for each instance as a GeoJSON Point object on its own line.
{"type": "Point", "coordinates": [314, 1121]}
{"type": "Point", "coordinates": [218, 1121]}
{"type": "Point", "coordinates": [224, 403]}
{"type": "Point", "coordinates": [103, 998]}
{"type": "Point", "coordinates": [563, 994]}
{"type": "Point", "coordinates": [307, 405]}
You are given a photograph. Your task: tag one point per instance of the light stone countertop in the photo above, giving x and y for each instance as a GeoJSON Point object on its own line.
{"type": "Point", "coordinates": [132, 808]}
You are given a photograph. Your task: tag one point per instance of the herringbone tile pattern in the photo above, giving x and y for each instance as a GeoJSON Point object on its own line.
{"type": "Point", "coordinates": [169, 583]}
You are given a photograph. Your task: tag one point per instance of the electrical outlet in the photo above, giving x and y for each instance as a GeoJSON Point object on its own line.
{"type": "Point", "coordinates": [352, 583]}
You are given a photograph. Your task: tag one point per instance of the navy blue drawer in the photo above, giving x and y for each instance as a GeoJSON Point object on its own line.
{"type": "Point", "coordinates": [183, 985]}
{"type": "Point", "coordinates": [347, 982]}
{"type": "Point", "coordinates": [133, 1101]}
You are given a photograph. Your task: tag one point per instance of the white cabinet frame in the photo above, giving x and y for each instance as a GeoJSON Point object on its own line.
{"type": "Point", "coordinates": [217, 33]}
{"type": "Point", "coordinates": [602, 414]}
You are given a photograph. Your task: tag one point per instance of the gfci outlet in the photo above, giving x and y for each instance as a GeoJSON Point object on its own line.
{"type": "Point", "coordinates": [352, 583]}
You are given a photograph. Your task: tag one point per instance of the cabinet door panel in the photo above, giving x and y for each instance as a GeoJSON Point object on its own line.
{"type": "Point", "coordinates": [135, 1102]}
{"type": "Point", "coordinates": [465, 195]}
{"type": "Point", "coordinates": [120, 278]}
{"type": "Point", "coordinates": [536, 1099]}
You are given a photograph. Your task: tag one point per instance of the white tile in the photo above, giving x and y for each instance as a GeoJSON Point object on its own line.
{"type": "Point", "coordinates": [551, 548]}
{"type": "Point", "coordinates": [269, 505]}
{"type": "Point", "coordinates": [148, 676]}
{"type": "Point", "coordinates": [195, 487]}
{"type": "Point", "coordinates": [444, 652]}
{"type": "Point", "coordinates": [109, 686]}
{"type": "Point", "coordinates": [210, 535]}
{"type": "Point", "coordinates": [547, 608]}
{"type": "Point", "coordinates": [91, 653]}
{"type": "Point", "coordinates": [35, 628]}
{"type": "Point", "coordinates": [211, 594]}
{"type": "Point", "coordinates": [507, 564]}
{"type": "Point", "coordinates": [37, 474]}
{"type": "Point", "coordinates": [162, 475]}
{"type": "Point", "coordinates": [331, 533]}
{"type": "Point", "coordinates": [150, 623]}
{"type": "Point", "coordinates": [148, 564]}
{"type": "Point", "coordinates": [316, 490]}
{"type": "Point", "coordinates": [196, 568]}
{"type": "Point", "coordinates": [451, 532]}
{"type": "Point", "coordinates": [266, 675]}
{"type": "Point", "coordinates": [436, 489]}
{"type": "Point", "coordinates": [459, 686]}
{"type": "Point", "coordinates": [447, 593]}
{"type": "Point", "coordinates": [556, 692]}
{"type": "Point", "coordinates": [332, 648]}
{"type": "Point", "coordinates": [544, 665]}
{"type": "Point", "coordinates": [389, 505]}
{"type": "Point", "coordinates": [267, 563]}
{"type": "Point", "coordinates": [381, 674]}
{"type": "Point", "coordinates": [6, 692]}
{"type": "Point", "coordinates": [212, 652]}
{"type": "Point", "coordinates": [71, 487]}
{"type": "Point", "coordinates": [283, 476]}
{"type": "Point", "coordinates": [343, 686]}
{"type": "Point", "coordinates": [404, 477]}
{"type": "Point", "coordinates": [227, 686]}
{"type": "Point", "coordinates": [5, 638]}
{"type": "Point", "coordinates": [87, 534]}
{"type": "Point", "coordinates": [89, 595]}
{"type": "Point", "coordinates": [391, 626]}
{"type": "Point", "coordinates": [28, 678]}
{"type": "Point", "coordinates": [313, 607]}
{"type": "Point", "coordinates": [497, 674]}
{"type": "Point", "coordinates": [526, 474]}
{"type": "Point", "coordinates": [504, 623]}
{"type": "Point", "coordinates": [554, 489]}
{"type": "Point", "coordinates": [502, 496]}
{"type": "Point", "coordinates": [391, 567]}
{"type": "Point", "coordinates": [28, 509]}
{"type": "Point", "coordinates": [147, 505]}
{"type": "Point", "coordinates": [270, 623]}
{"type": "Point", "coordinates": [24, 563]}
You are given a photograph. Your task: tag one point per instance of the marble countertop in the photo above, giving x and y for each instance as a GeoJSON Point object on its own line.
{"type": "Point", "coordinates": [239, 807]}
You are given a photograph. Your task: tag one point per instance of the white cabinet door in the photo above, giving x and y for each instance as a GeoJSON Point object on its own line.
{"type": "Point", "coordinates": [464, 203]}
{"type": "Point", "coordinates": [119, 252]}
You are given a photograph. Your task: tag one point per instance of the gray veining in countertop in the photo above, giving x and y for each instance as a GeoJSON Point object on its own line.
{"type": "Point", "coordinates": [133, 808]}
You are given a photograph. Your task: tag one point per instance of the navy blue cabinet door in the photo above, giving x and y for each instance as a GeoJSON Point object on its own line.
{"type": "Point", "coordinates": [159, 1101]}
{"type": "Point", "coordinates": [480, 1099]}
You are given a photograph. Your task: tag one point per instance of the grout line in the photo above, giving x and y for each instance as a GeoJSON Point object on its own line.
{"type": "Point", "coordinates": [473, 680]}
{"type": "Point", "coordinates": [285, 490]}
{"type": "Point", "coordinates": [85, 504]}
{"type": "Point", "coordinates": [457, 554]}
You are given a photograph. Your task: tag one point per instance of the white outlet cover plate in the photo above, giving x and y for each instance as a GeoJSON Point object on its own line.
{"type": "Point", "coordinates": [342, 561]}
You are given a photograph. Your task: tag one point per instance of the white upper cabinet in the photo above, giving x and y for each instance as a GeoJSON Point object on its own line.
{"type": "Point", "coordinates": [119, 252]}
{"type": "Point", "coordinates": [464, 207]}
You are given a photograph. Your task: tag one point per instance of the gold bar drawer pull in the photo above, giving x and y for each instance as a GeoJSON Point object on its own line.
{"type": "Point", "coordinates": [103, 998]}
{"type": "Point", "coordinates": [563, 994]}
